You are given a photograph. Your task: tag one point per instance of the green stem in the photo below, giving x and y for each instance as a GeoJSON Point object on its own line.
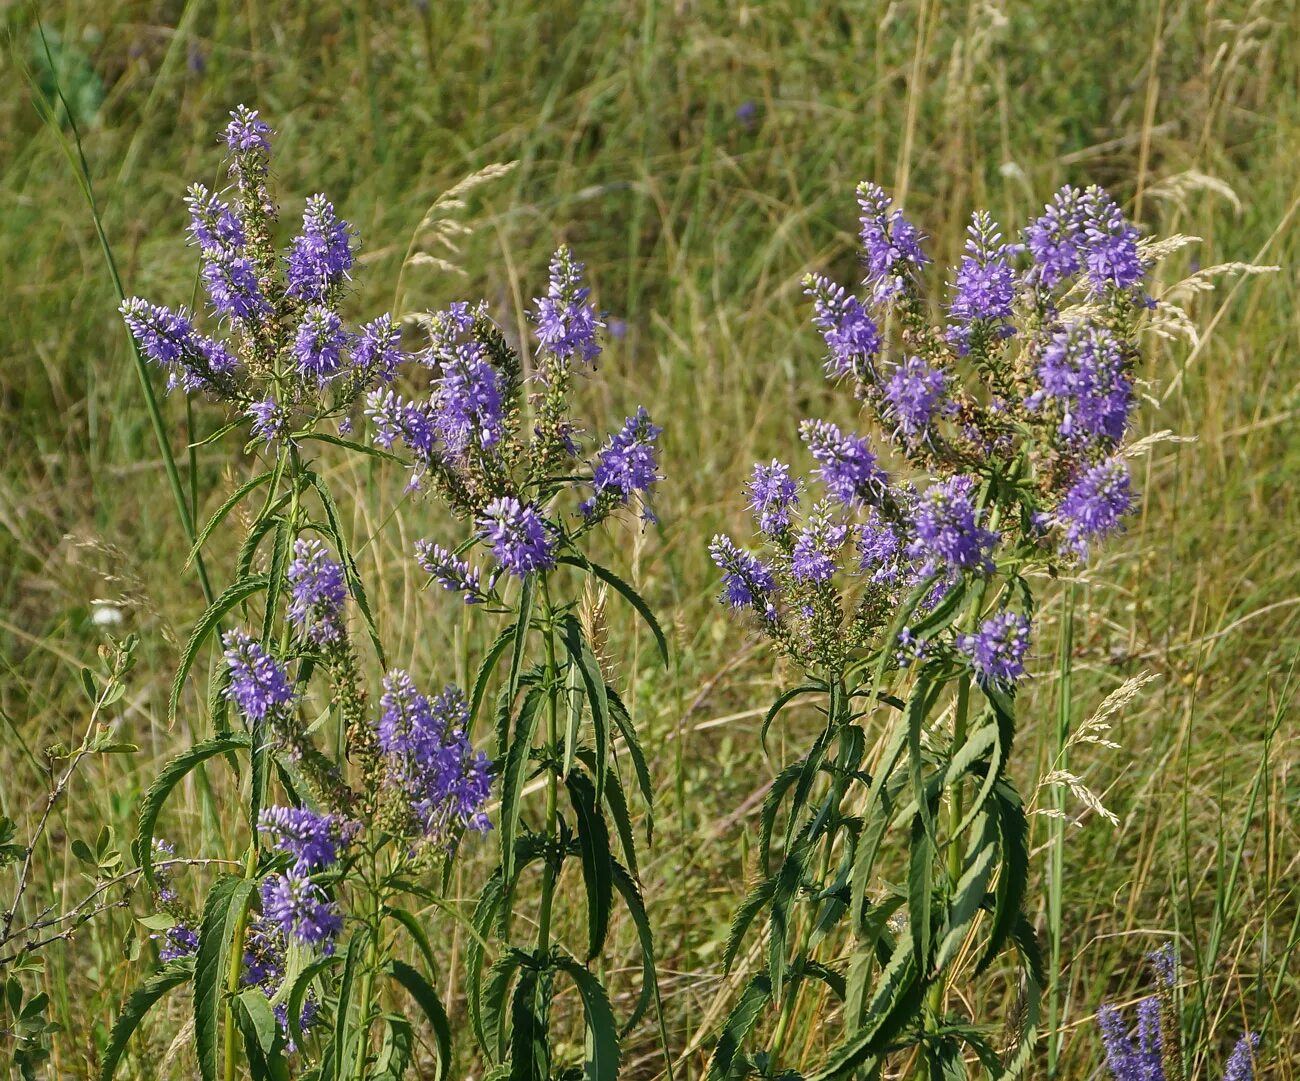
{"type": "Point", "coordinates": [1056, 844]}
{"type": "Point", "coordinates": [552, 778]}
{"type": "Point", "coordinates": [368, 976]}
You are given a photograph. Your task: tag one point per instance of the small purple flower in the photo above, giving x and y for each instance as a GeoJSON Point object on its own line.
{"type": "Point", "coordinates": [851, 334]}
{"type": "Point", "coordinates": [747, 114]}
{"type": "Point", "coordinates": [162, 851]}
{"type": "Point", "coordinates": [321, 255]}
{"type": "Point", "coordinates": [1110, 245]}
{"type": "Point", "coordinates": [915, 393]}
{"type": "Point", "coordinates": [396, 418]}
{"type": "Point", "coordinates": [880, 549]}
{"type": "Point", "coordinates": [1095, 505]}
{"type": "Point", "coordinates": [997, 650]}
{"type": "Point", "coordinates": [301, 910]}
{"type": "Point", "coordinates": [911, 649]}
{"type": "Point", "coordinates": [848, 468]}
{"type": "Point", "coordinates": [318, 344]}
{"type": "Point", "coordinates": [1082, 370]}
{"type": "Point", "coordinates": [984, 289]}
{"type": "Point", "coordinates": [317, 591]}
{"type": "Point", "coordinates": [377, 350]}
{"type": "Point", "coordinates": [264, 955]}
{"type": "Point", "coordinates": [626, 466]}
{"type": "Point", "coordinates": [259, 686]}
{"type": "Point", "coordinates": [773, 493]}
{"type": "Point", "coordinates": [179, 941]}
{"type": "Point", "coordinates": [1055, 239]}
{"type": "Point", "coordinates": [1241, 1066]}
{"type": "Point", "coordinates": [817, 546]}
{"type": "Point", "coordinates": [747, 581]}
{"type": "Point", "coordinates": [520, 538]}
{"type": "Point", "coordinates": [246, 131]}
{"type": "Point", "coordinates": [468, 401]}
{"type": "Point", "coordinates": [946, 532]}
{"type": "Point", "coordinates": [231, 284]}
{"type": "Point", "coordinates": [891, 245]}
{"type": "Point", "coordinates": [566, 323]}
{"type": "Point", "coordinates": [213, 227]}
{"type": "Point", "coordinates": [169, 339]}
{"type": "Point", "coordinates": [453, 574]}
{"type": "Point", "coordinates": [315, 841]}
{"type": "Point", "coordinates": [269, 421]}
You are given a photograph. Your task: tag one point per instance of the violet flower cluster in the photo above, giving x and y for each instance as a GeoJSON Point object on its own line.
{"type": "Point", "coordinates": [467, 438]}
{"type": "Point", "coordinates": [1000, 438]}
{"type": "Point", "coordinates": [272, 342]}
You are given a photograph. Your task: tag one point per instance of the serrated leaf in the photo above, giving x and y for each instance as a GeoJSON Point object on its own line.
{"type": "Point", "coordinates": [520, 637]}
{"type": "Point", "coordinates": [162, 786]}
{"type": "Point", "coordinates": [431, 1006]}
{"type": "Point", "coordinates": [593, 681]}
{"type": "Point", "coordinates": [758, 898]}
{"type": "Point", "coordinates": [530, 1053]}
{"type": "Point", "coordinates": [396, 1051]}
{"type": "Point", "coordinates": [1013, 874]}
{"type": "Point", "coordinates": [485, 669]}
{"type": "Point", "coordinates": [737, 1027]}
{"type": "Point", "coordinates": [628, 594]}
{"type": "Point", "coordinates": [235, 498]}
{"type": "Point", "coordinates": [261, 1032]}
{"type": "Point", "coordinates": [602, 1057]}
{"type": "Point", "coordinates": [139, 1003]}
{"type": "Point", "coordinates": [784, 699]}
{"type": "Point", "coordinates": [514, 776]}
{"type": "Point", "coordinates": [593, 847]}
{"type": "Point", "coordinates": [623, 720]}
{"type": "Point", "coordinates": [626, 886]}
{"type": "Point", "coordinates": [920, 891]}
{"type": "Point", "coordinates": [616, 803]}
{"type": "Point", "coordinates": [208, 622]}
{"type": "Point", "coordinates": [222, 912]}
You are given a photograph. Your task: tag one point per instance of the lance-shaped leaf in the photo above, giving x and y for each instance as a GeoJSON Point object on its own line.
{"type": "Point", "coordinates": [431, 1006]}
{"type": "Point", "coordinates": [139, 1003]}
{"type": "Point", "coordinates": [602, 1056]}
{"type": "Point", "coordinates": [222, 913]}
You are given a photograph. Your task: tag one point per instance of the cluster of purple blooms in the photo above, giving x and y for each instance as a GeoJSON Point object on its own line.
{"type": "Point", "coordinates": [465, 435]}
{"type": "Point", "coordinates": [278, 340]}
{"type": "Point", "coordinates": [1145, 1059]}
{"type": "Point", "coordinates": [430, 760]}
{"type": "Point", "coordinates": [259, 684]}
{"type": "Point", "coordinates": [317, 591]}
{"type": "Point", "coordinates": [1015, 409]}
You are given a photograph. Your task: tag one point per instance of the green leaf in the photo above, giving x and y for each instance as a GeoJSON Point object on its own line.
{"type": "Point", "coordinates": [256, 533]}
{"type": "Point", "coordinates": [575, 643]}
{"type": "Point", "coordinates": [755, 901]}
{"type": "Point", "coordinates": [757, 994]}
{"type": "Point", "coordinates": [602, 1058]}
{"type": "Point", "coordinates": [275, 582]}
{"type": "Point", "coordinates": [623, 720]}
{"type": "Point", "coordinates": [628, 594]}
{"type": "Point", "coordinates": [486, 666]}
{"type": "Point", "coordinates": [626, 886]}
{"type": "Point", "coordinates": [784, 699]}
{"type": "Point", "coordinates": [431, 1006]}
{"type": "Point", "coordinates": [493, 1001]}
{"type": "Point", "coordinates": [336, 1053]}
{"type": "Point", "coordinates": [396, 1052]}
{"type": "Point", "coordinates": [514, 776]}
{"type": "Point", "coordinates": [520, 637]}
{"type": "Point", "coordinates": [298, 993]}
{"type": "Point", "coordinates": [970, 892]}
{"type": "Point", "coordinates": [485, 914]}
{"type": "Point", "coordinates": [616, 803]}
{"type": "Point", "coordinates": [920, 891]}
{"type": "Point", "coordinates": [355, 585]}
{"type": "Point", "coordinates": [261, 1032]}
{"type": "Point", "coordinates": [1013, 828]}
{"type": "Point", "coordinates": [347, 444]}
{"type": "Point", "coordinates": [530, 1052]}
{"type": "Point", "coordinates": [593, 846]}
{"type": "Point", "coordinates": [208, 622]}
{"type": "Point", "coordinates": [222, 912]}
{"type": "Point", "coordinates": [140, 1001]}
{"type": "Point", "coordinates": [416, 930]}
{"type": "Point", "coordinates": [230, 504]}
{"type": "Point", "coordinates": [162, 786]}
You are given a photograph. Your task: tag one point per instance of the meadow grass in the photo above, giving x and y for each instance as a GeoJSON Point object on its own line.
{"type": "Point", "coordinates": [697, 218]}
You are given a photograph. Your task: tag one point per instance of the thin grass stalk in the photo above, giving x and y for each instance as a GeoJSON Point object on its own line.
{"type": "Point", "coordinates": [1056, 828]}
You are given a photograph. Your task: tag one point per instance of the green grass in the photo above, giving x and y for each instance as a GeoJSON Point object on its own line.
{"type": "Point", "coordinates": [697, 228]}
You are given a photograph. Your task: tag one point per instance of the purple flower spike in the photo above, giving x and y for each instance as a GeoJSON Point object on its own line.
{"type": "Point", "coordinates": [915, 393]}
{"type": "Point", "coordinates": [452, 573]}
{"type": "Point", "coordinates": [817, 546]}
{"type": "Point", "coordinates": [520, 539]}
{"type": "Point", "coordinates": [851, 335]}
{"type": "Point", "coordinates": [891, 245]}
{"type": "Point", "coordinates": [997, 651]}
{"type": "Point", "coordinates": [315, 841]}
{"type": "Point", "coordinates": [321, 255]}
{"type": "Point", "coordinates": [259, 686]}
{"type": "Point", "coordinates": [1055, 239]}
{"type": "Point", "coordinates": [247, 132]}
{"type": "Point", "coordinates": [318, 345]}
{"type": "Point", "coordinates": [626, 466]}
{"type": "Point", "coordinates": [566, 323]}
{"type": "Point", "coordinates": [1241, 1066]}
{"type": "Point", "coordinates": [301, 911]}
{"type": "Point", "coordinates": [1095, 506]}
{"type": "Point", "coordinates": [947, 533]}
{"type": "Point", "coordinates": [848, 468]}
{"type": "Point", "coordinates": [377, 350]}
{"type": "Point", "coordinates": [984, 289]}
{"type": "Point", "coordinates": [772, 495]}
{"type": "Point", "coordinates": [317, 591]}
{"type": "Point", "coordinates": [747, 581]}
{"type": "Point", "coordinates": [1082, 372]}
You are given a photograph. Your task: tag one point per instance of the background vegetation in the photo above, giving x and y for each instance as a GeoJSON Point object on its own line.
{"type": "Point", "coordinates": [700, 156]}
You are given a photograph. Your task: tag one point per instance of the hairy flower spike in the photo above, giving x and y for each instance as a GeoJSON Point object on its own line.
{"type": "Point", "coordinates": [377, 350]}
{"type": "Point", "coordinates": [625, 466]}
{"type": "Point", "coordinates": [997, 651]}
{"type": "Point", "coordinates": [317, 591]}
{"type": "Point", "coordinates": [315, 841]}
{"type": "Point", "coordinates": [300, 909]}
{"type": "Point", "coordinates": [817, 547]}
{"type": "Point", "coordinates": [259, 686]}
{"type": "Point", "coordinates": [321, 255]}
{"type": "Point", "coordinates": [891, 245]}
{"type": "Point", "coordinates": [169, 339]}
{"type": "Point", "coordinates": [468, 403]}
{"type": "Point", "coordinates": [851, 335]}
{"type": "Point", "coordinates": [270, 422]}
{"type": "Point", "coordinates": [947, 535]}
{"type": "Point", "coordinates": [984, 290]}
{"type": "Point", "coordinates": [773, 493]}
{"type": "Point", "coordinates": [1082, 372]}
{"type": "Point", "coordinates": [213, 227]}
{"type": "Point", "coordinates": [231, 284]}
{"type": "Point", "coordinates": [1055, 239]}
{"type": "Point", "coordinates": [247, 132]}
{"type": "Point", "coordinates": [915, 394]}
{"type": "Point", "coordinates": [319, 342]}
{"type": "Point", "coordinates": [848, 468]}
{"type": "Point", "coordinates": [1095, 505]}
{"type": "Point", "coordinates": [1110, 244]}
{"type": "Point", "coordinates": [747, 581]}
{"type": "Point", "coordinates": [566, 323]}
{"type": "Point", "coordinates": [520, 538]}
{"type": "Point", "coordinates": [453, 574]}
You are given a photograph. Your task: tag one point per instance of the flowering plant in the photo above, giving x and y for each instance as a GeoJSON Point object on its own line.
{"type": "Point", "coordinates": [347, 812]}
{"type": "Point", "coordinates": [512, 464]}
{"type": "Point", "coordinates": [905, 589]}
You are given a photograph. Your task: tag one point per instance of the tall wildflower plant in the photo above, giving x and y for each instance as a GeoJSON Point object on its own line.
{"type": "Point", "coordinates": [495, 443]}
{"type": "Point", "coordinates": [900, 577]}
{"type": "Point", "coordinates": [349, 806]}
